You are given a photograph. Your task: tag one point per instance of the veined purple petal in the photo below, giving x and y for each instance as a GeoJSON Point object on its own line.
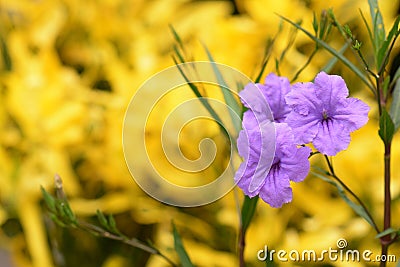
{"type": "Point", "coordinates": [330, 88]}
{"type": "Point", "coordinates": [322, 113]}
{"type": "Point", "coordinates": [353, 113]}
{"type": "Point", "coordinates": [274, 90]}
{"type": "Point", "coordinates": [304, 127]}
{"type": "Point", "coordinates": [276, 190]}
{"type": "Point", "coordinates": [332, 138]}
{"type": "Point", "coordinates": [298, 166]}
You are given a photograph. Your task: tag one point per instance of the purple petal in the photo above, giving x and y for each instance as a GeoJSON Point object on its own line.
{"type": "Point", "coordinates": [332, 138]}
{"type": "Point", "coordinates": [257, 147]}
{"type": "Point", "coordinates": [304, 127]}
{"type": "Point", "coordinates": [276, 190]}
{"type": "Point", "coordinates": [252, 98]}
{"type": "Point", "coordinates": [298, 166]}
{"type": "Point", "coordinates": [330, 89]}
{"type": "Point", "coordinates": [302, 98]}
{"type": "Point", "coordinates": [353, 113]}
{"type": "Point", "coordinates": [274, 90]}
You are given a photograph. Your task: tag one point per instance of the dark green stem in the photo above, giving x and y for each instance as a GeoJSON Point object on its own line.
{"type": "Point", "coordinates": [386, 240]}
{"type": "Point", "coordinates": [129, 241]}
{"type": "Point", "coordinates": [333, 175]}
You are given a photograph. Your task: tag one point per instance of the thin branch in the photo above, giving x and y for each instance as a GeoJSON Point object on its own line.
{"type": "Point", "coordinates": [333, 175]}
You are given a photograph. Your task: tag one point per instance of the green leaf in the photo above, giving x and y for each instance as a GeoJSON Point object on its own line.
{"type": "Point", "coordinates": [49, 200]}
{"type": "Point", "coordinates": [176, 36]}
{"type": "Point", "coordinates": [268, 262]}
{"type": "Point", "coordinates": [180, 249]}
{"type": "Point", "coordinates": [69, 213]}
{"type": "Point", "coordinates": [6, 58]}
{"type": "Point", "coordinates": [315, 23]}
{"type": "Point", "coordinates": [248, 211]}
{"type": "Point", "coordinates": [395, 106]}
{"type": "Point", "coordinates": [386, 127]}
{"type": "Point", "coordinates": [367, 26]}
{"type": "Point", "coordinates": [102, 219]}
{"type": "Point", "coordinates": [384, 49]}
{"type": "Point", "coordinates": [378, 28]}
{"type": "Point", "coordinates": [196, 91]}
{"type": "Point", "coordinates": [386, 232]}
{"type": "Point", "coordinates": [265, 60]}
{"type": "Point", "coordinates": [235, 108]}
{"type": "Point", "coordinates": [55, 219]}
{"type": "Point", "coordinates": [386, 83]}
{"type": "Point", "coordinates": [113, 225]}
{"type": "Point", "coordinates": [358, 209]}
{"type": "Point", "coordinates": [341, 57]}
{"type": "Point", "coordinates": [329, 66]}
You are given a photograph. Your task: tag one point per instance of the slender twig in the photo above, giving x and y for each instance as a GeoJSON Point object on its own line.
{"type": "Point", "coordinates": [333, 175]}
{"type": "Point", "coordinates": [242, 245]}
{"type": "Point", "coordinates": [305, 64]}
{"type": "Point", "coordinates": [386, 240]}
{"type": "Point", "coordinates": [133, 242]}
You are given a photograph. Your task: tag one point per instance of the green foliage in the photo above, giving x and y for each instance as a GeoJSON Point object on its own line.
{"type": "Point", "coordinates": [248, 211]}
{"type": "Point", "coordinates": [395, 106]}
{"type": "Point", "coordinates": [335, 53]}
{"type": "Point", "coordinates": [180, 249]}
{"type": "Point", "coordinates": [378, 30]}
{"type": "Point", "coordinates": [358, 209]}
{"type": "Point", "coordinates": [386, 127]}
{"type": "Point", "coordinates": [234, 107]}
{"type": "Point", "coordinates": [62, 214]}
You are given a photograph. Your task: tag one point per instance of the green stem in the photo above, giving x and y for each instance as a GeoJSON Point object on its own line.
{"type": "Point", "coordinates": [386, 240]}
{"type": "Point", "coordinates": [133, 242]}
{"type": "Point", "coordinates": [333, 175]}
{"type": "Point", "coordinates": [342, 58]}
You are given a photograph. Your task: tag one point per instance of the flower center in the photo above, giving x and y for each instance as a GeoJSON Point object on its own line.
{"type": "Point", "coordinates": [325, 116]}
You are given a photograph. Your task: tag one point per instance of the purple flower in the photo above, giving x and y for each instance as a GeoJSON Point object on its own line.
{"type": "Point", "coordinates": [274, 89]}
{"type": "Point", "coordinates": [273, 92]}
{"type": "Point", "coordinates": [323, 114]}
{"type": "Point", "coordinates": [266, 172]}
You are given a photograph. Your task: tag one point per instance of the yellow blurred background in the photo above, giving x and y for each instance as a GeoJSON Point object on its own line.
{"type": "Point", "coordinates": [68, 70]}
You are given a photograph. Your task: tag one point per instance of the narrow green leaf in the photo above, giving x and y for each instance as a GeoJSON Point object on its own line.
{"type": "Point", "coordinates": [378, 28]}
{"type": "Point", "coordinates": [341, 57]}
{"type": "Point", "coordinates": [371, 38]}
{"type": "Point", "coordinates": [102, 219]}
{"type": "Point", "coordinates": [315, 24]}
{"type": "Point", "coordinates": [358, 209]}
{"type": "Point", "coordinates": [395, 106]}
{"type": "Point", "coordinates": [230, 100]}
{"type": "Point", "coordinates": [268, 262]}
{"type": "Point", "coordinates": [176, 36]}
{"type": "Point", "coordinates": [384, 48]}
{"type": "Point", "coordinates": [178, 54]}
{"type": "Point", "coordinates": [69, 213]}
{"type": "Point", "coordinates": [5, 55]}
{"type": "Point", "coordinates": [180, 249]}
{"type": "Point", "coordinates": [265, 60]}
{"type": "Point", "coordinates": [196, 91]}
{"type": "Point", "coordinates": [386, 232]}
{"type": "Point", "coordinates": [332, 62]}
{"type": "Point", "coordinates": [386, 83]}
{"type": "Point", "coordinates": [386, 127]}
{"type": "Point", "coordinates": [49, 200]}
{"type": "Point", "coordinates": [55, 219]}
{"type": "Point", "coordinates": [113, 225]}
{"type": "Point", "coordinates": [248, 211]}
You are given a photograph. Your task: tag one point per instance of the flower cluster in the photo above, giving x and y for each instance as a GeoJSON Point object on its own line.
{"type": "Point", "coordinates": [320, 113]}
